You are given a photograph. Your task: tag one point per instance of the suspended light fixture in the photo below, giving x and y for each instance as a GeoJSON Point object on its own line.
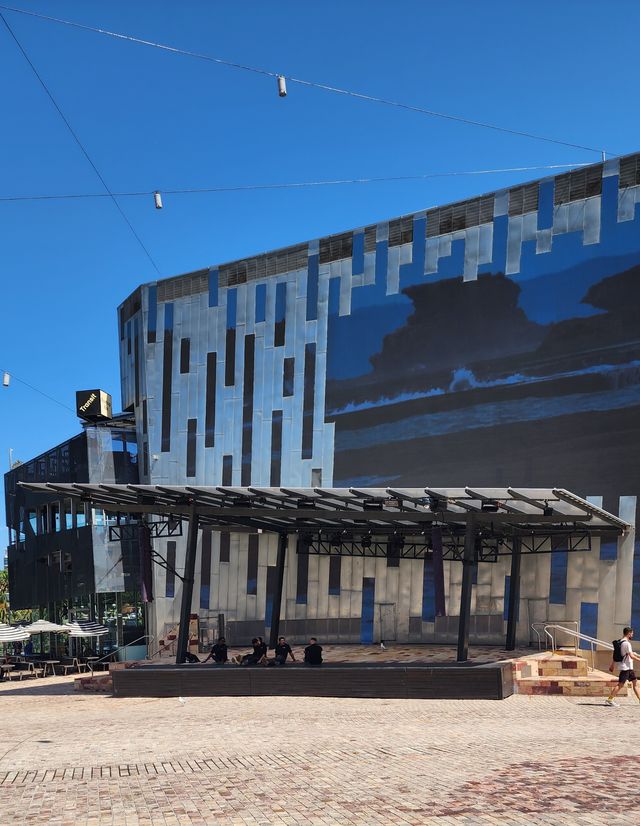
{"type": "Point", "coordinates": [158, 199]}
{"type": "Point", "coordinates": [6, 378]}
{"type": "Point", "coordinates": [282, 86]}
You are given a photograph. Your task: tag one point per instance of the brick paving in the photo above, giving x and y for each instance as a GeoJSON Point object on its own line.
{"type": "Point", "coordinates": [69, 758]}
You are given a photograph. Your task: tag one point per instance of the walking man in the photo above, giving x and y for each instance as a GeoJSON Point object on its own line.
{"type": "Point", "coordinates": [622, 662]}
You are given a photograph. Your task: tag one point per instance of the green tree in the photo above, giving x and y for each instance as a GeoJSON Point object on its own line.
{"type": "Point", "coordinates": [5, 610]}
{"type": "Point", "coordinates": [4, 596]}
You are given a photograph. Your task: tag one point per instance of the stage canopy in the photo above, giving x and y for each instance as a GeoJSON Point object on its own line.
{"type": "Point", "coordinates": [463, 524]}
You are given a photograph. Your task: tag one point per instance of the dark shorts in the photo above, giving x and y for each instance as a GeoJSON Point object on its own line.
{"type": "Point", "coordinates": [627, 674]}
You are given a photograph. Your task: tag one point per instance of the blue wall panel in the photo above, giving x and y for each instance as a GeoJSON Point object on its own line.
{"type": "Point", "coordinates": [261, 302]}
{"type": "Point", "coordinates": [368, 609]}
{"type": "Point", "coordinates": [428, 592]}
{"type": "Point", "coordinates": [558, 577]}
{"type": "Point", "coordinates": [608, 550]}
{"type": "Point", "coordinates": [507, 589]}
{"type": "Point", "coordinates": [588, 621]}
{"type": "Point", "coordinates": [213, 287]}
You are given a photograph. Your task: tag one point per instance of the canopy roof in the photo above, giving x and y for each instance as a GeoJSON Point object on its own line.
{"type": "Point", "coordinates": [509, 511]}
{"type": "Point", "coordinates": [43, 626]}
{"type": "Point", "coordinates": [12, 633]}
{"type": "Point", "coordinates": [85, 628]}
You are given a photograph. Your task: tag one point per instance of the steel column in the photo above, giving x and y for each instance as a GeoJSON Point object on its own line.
{"type": "Point", "coordinates": [283, 541]}
{"type": "Point", "coordinates": [187, 587]}
{"type": "Point", "coordinates": [468, 561]}
{"type": "Point", "coordinates": [514, 594]}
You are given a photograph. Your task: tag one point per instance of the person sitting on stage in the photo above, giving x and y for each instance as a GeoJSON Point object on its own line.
{"type": "Point", "coordinates": [282, 651]}
{"type": "Point", "coordinates": [190, 658]}
{"type": "Point", "coordinates": [256, 656]}
{"type": "Point", "coordinates": [218, 653]}
{"type": "Point", "coordinates": [263, 647]}
{"type": "Point", "coordinates": [313, 653]}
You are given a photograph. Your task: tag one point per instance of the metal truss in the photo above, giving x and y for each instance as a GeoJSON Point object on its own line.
{"type": "Point", "coordinates": [488, 549]}
{"type": "Point", "coordinates": [157, 530]}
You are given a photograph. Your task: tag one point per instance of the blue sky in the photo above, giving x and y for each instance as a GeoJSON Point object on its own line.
{"type": "Point", "coordinates": [155, 120]}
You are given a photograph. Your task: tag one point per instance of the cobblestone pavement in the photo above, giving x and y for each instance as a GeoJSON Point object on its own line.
{"type": "Point", "coordinates": [68, 758]}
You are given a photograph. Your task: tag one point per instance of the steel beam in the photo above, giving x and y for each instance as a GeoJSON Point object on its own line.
{"type": "Point", "coordinates": [514, 594]}
{"type": "Point", "coordinates": [468, 562]}
{"type": "Point", "coordinates": [283, 541]}
{"type": "Point", "coordinates": [187, 587]}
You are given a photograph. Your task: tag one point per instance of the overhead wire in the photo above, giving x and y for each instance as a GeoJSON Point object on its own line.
{"type": "Point", "coordinates": [78, 142]}
{"type": "Point", "coordinates": [37, 390]}
{"type": "Point", "coordinates": [303, 82]}
{"type": "Point", "coordinates": [289, 185]}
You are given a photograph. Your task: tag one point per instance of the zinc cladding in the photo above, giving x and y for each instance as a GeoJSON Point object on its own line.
{"type": "Point", "coordinates": [570, 186]}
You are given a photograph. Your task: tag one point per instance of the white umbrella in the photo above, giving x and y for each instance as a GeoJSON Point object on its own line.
{"type": "Point", "coordinates": [11, 633]}
{"type": "Point", "coordinates": [42, 626]}
{"type": "Point", "coordinates": [85, 628]}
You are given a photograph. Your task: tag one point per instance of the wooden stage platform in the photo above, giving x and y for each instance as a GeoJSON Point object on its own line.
{"type": "Point", "coordinates": [473, 681]}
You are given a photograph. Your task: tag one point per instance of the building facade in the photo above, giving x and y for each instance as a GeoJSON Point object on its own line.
{"type": "Point", "coordinates": [62, 564]}
{"type": "Point", "coordinates": [488, 342]}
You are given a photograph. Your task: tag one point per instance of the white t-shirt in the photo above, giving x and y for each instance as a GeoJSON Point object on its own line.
{"type": "Point", "coordinates": [627, 662]}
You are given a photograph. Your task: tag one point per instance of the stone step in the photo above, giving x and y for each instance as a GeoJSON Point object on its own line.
{"type": "Point", "coordinates": [597, 684]}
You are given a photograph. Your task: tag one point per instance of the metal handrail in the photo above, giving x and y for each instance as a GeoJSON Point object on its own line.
{"type": "Point", "coordinates": [106, 657]}
{"type": "Point", "coordinates": [578, 636]}
{"type": "Point", "coordinates": [536, 625]}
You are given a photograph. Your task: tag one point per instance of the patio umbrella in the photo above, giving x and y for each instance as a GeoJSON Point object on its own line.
{"type": "Point", "coordinates": [85, 628]}
{"type": "Point", "coordinates": [42, 626]}
{"type": "Point", "coordinates": [12, 633]}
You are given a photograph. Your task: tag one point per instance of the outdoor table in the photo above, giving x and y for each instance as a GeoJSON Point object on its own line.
{"type": "Point", "coordinates": [52, 664]}
{"type": "Point", "coordinates": [5, 667]}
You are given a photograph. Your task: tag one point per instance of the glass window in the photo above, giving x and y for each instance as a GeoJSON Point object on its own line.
{"type": "Point", "coordinates": [65, 464]}
{"type": "Point", "coordinates": [97, 517]}
{"type": "Point", "coordinates": [68, 516]}
{"type": "Point", "coordinates": [67, 566]}
{"type": "Point", "coordinates": [52, 464]}
{"type": "Point", "coordinates": [81, 519]}
{"type": "Point", "coordinates": [55, 560]}
{"type": "Point", "coordinates": [43, 520]}
{"type": "Point", "coordinates": [55, 516]}
{"type": "Point", "coordinates": [41, 470]}
{"type": "Point", "coordinates": [33, 519]}
{"type": "Point", "coordinates": [21, 536]}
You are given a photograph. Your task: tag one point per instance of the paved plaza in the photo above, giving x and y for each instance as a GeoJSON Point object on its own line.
{"type": "Point", "coordinates": [74, 758]}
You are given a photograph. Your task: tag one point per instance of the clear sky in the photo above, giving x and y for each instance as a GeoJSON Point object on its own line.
{"type": "Point", "coordinates": [154, 120]}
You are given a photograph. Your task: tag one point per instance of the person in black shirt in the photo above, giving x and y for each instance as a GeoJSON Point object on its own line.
{"type": "Point", "coordinates": [218, 652]}
{"type": "Point", "coordinates": [313, 653]}
{"type": "Point", "coordinates": [256, 655]}
{"type": "Point", "coordinates": [282, 651]}
{"type": "Point", "coordinates": [191, 658]}
{"type": "Point", "coordinates": [263, 647]}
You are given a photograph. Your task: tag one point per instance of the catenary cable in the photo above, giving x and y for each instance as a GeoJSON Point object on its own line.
{"type": "Point", "coordinates": [324, 86]}
{"type": "Point", "coordinates": [290, 185]}
{"type": "Point", "coordinates": [79, 142]}
{"type": "Point", "coordinates": [41, 392]}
